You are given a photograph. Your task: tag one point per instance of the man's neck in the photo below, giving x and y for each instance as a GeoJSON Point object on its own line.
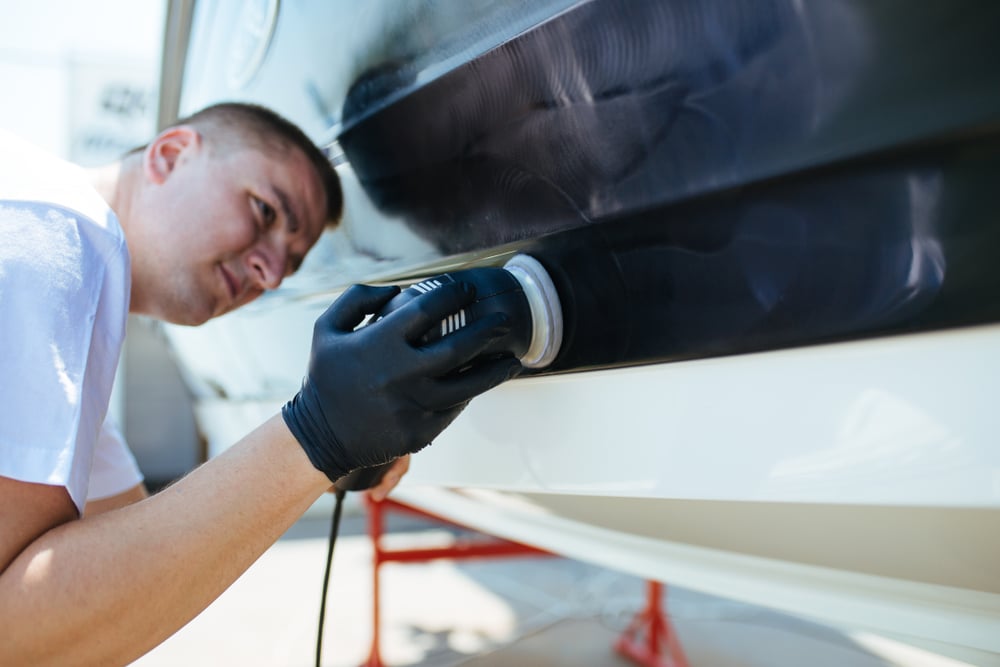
{"type": "Point", "coordinates": [106, 180]}
{"type": "Point", "coordinates": [116, 184]}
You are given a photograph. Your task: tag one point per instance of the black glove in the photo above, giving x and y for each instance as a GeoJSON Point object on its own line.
{"type": "Point", "coordinates": [376, 393]}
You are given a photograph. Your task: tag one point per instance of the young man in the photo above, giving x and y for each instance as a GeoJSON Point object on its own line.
{"type": "Point", "coordinates": [201, 221]}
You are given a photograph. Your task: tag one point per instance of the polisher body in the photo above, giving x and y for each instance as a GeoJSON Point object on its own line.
{"type": "Point", "coordinates": [522, 290]}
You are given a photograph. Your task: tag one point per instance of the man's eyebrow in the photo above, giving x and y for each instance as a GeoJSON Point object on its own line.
{"type": "Point", "coordinates": [293, 220]}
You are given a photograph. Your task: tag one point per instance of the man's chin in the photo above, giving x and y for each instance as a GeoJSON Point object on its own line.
{"type": "Point", "coordinates": [187, 321]}
{"type": "Point", "coordinates": [187, 315]}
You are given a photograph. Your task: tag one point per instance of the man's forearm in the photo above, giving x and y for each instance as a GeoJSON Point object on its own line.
{"type": "Point", "coordinates": [104, 590]}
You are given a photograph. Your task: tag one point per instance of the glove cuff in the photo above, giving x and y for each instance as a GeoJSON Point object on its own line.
{"type": "Point", "coordinates": [319, 444]}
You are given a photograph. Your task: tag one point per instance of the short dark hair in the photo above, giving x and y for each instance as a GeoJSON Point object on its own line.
{"type": "Point", "coordinates": [233, 125]}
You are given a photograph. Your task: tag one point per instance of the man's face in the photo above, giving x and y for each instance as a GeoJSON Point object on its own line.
{"type": "Point", "coordinates": [222, 228]}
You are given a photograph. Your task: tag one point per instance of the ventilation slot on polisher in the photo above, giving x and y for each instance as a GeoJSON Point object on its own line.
{"type": "Point", "coordinates": [522, 289]}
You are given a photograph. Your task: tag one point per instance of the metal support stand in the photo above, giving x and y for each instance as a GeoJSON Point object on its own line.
{"type": "Point", "coordinates": [660, 635]}
{"type": "Point", "coordinates": [461, 549]}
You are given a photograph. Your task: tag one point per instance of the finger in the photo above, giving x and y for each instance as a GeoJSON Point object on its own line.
{"type": "Point", "coordinates": [419, 315]}
{"type": "Point", "coordinates": [462, 346]}
{"type": "Point", "coordinates": [359, 301]}
{"type": "Point", "coordinates": [448, 392]}
{"type": "Point", "coordinates": [390, 479]}
{"type": "Point", "coordinates": [402, 465]}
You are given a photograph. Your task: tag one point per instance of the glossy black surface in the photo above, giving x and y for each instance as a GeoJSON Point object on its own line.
{"type": "Point", "coordinates": [699, 177]}
{"type": "Point", "coordinates": [901, 243]}
{"type": "Point", "coordinates": [617, 106]}
{"type": "Point", "coordinates": [707, 178]}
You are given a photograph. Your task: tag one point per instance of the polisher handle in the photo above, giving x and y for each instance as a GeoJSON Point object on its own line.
{"type": "Point", "coordinates": [496, 291]}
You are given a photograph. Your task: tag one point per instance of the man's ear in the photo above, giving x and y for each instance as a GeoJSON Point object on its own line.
{"type": "Point", "coordinates": [165, 152]}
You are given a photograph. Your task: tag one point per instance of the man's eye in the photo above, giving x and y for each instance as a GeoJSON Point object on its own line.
{"type": "Point", "coordinates": [267, 212]}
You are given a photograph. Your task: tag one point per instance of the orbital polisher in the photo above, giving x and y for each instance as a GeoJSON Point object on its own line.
{"type": "Point", "coordinates": [523, 290]}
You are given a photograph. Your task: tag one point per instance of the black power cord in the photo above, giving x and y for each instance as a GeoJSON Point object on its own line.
{"type": "Point", "coordinates": [359, 480]}
{"type": "Point", "coordinates": [334, 527]}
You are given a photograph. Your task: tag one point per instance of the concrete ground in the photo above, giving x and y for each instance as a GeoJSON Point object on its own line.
{"type": "Point", "coordinates": [526, 612]}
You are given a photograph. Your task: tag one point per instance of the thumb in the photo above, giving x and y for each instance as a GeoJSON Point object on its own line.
{"type": "Point", "coordinates": [359, 301]}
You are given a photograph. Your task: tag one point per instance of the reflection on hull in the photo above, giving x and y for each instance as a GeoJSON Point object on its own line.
{"type": "Point", "coordinates": [891, 246]}
{"type": "Point", "coordinates": [608, 141]}
{"type": "Point", "coordinates": [618, 107]}
{"type": "Point", "coordinates": [826, 579]}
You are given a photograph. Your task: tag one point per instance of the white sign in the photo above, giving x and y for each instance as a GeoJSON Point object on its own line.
{"type": "Point", "coordinates": [112, 109]}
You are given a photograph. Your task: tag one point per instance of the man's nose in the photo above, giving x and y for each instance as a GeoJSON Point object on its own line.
{"type": "Point", "coordinates": [266, 264]}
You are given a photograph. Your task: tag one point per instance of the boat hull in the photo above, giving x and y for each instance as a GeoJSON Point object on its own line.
{"type": "Point", "coordinates": [772, 228]}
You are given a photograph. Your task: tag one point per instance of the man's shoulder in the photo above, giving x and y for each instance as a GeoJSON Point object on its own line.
{"type": "Point", "coordinates": [47, 202]}
{"type": "Point", "coordinates": [33, 178]}
{"type": "Point", "coordinates": [22, 164]}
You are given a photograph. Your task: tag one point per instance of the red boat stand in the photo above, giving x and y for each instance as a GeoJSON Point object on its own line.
{"type": "Point", "coordinates": [660, 635]}
{"type": "Point", "coordinates": [651, 619]}
{"type": "Point", "coordinates": [461, 549]}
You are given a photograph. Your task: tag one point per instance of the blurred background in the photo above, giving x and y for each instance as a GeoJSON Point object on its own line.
{"type": "Point", "coordinates": [81, 79]}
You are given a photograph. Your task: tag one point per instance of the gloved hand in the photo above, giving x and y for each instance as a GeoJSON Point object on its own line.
{"type": "Point", "coordinates": [375, 393]}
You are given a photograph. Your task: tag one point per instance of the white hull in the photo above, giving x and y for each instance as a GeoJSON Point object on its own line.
{"type": "Point", "coordinates": [905, 420]}
{"type": "Point", "coordinates": [955, 617]}
{"type": "Point", "coordinates": [856, 483]}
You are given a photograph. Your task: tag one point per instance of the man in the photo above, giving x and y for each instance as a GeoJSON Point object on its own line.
{"type": "Point", "coordinates": [211, 213]}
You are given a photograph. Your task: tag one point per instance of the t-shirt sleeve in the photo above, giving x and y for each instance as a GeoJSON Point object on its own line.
{"type": "Point", "coordinates": [63, 294]}
{"type": "Point", "coordinates": [115, 469]}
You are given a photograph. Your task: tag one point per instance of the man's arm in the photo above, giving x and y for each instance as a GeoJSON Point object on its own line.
{"type": "Point", "coordinates": [26, 511]}
{"type": "Point", "coordinates": [106, 589]}
{"type": "Point", "coordinates": [139, 492]}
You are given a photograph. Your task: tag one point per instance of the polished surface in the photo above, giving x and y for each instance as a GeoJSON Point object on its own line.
{"type": "Point", "coordinates": [700, 178]}
{"type": "Point", "coordinates": [793, 203]}
{"type": "Point", "coordinates": [303, 59]}
{"type": "Point", "coordinates": [486, 122]}
{"type": "Point", "coordinates": [618, 106]}
{"type": "Point", "coordinates": [893, 421]}
{"type": "Point", "coordinates": [895, 245]}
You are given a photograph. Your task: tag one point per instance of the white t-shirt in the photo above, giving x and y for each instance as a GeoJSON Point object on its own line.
{"type": "Point", "coordinates": [64, 296]}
